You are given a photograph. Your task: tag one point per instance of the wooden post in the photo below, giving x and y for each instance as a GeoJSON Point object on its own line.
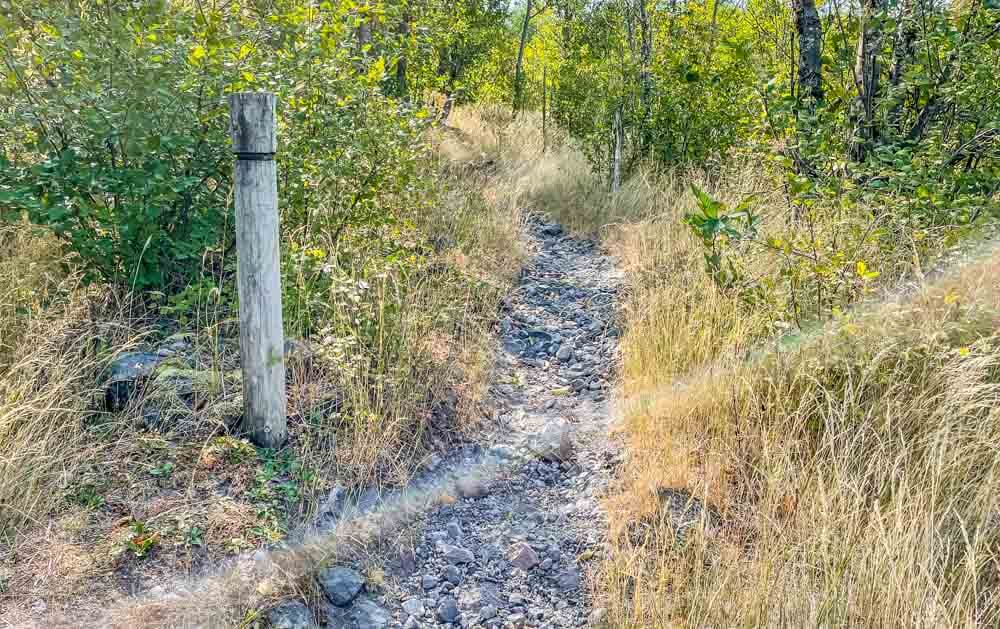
{"type": "Point", "coordinates": [262, 342]}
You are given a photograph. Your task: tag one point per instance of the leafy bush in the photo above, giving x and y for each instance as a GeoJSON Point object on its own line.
{"type": "Point", "coordinates": [115, 138]}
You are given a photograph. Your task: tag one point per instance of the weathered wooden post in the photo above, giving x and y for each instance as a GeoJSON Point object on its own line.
{"type": "Point", "coordinates": [252, 117]}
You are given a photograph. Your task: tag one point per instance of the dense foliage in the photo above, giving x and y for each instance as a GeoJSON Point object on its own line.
{"type": "Point", "coordinates": [881, 118]}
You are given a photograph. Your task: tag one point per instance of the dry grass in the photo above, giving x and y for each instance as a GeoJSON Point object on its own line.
{"type": "Point", "coordinates": [850, 473]}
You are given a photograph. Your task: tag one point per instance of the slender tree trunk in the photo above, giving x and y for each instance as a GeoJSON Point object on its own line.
{"type": "Point", "coordinates": [616, 158]}
{"type": "Point", "coordinates": [364, 39]}
{"type": "Point", "coordinates": [810, 34]}
{"type": "Point", "coordinates": [545, 109]}
{"type": "Point", "coordinates": [519, 66]}
{"type": "Point", "coordinates": [449, 95]}
{"type": "Point", "coordinates": [867, 72]}
{"type": "Point", "coordinates": [714, 31]}
{"type": "Point", "coordinates": [402, 62]}
{"type": "Point", "coordinates": [902, 55]}
{"type": "Point", "coordinates": [645, 75]}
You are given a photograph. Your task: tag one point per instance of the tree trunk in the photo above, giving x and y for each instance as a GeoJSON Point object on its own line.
{"type": "Point", "coordinates": [714, 31]}
{"type": "Point", "coordinates": [616, 158]}
{"type": "Point", "coordinates": [810, 34]}
{"type": "Point", "coordinates": [545, 109]}
{"type": "Point", "coordinates": [867, 73]}
{"type": "Point", "coordinates": [402, 63]}
{"type": "Point", "coordinates": [519, 66]}
{"type": "Point", "coordinates": [645, 75]}
{"type": "Point", "coordinates": [902, 56]}
{"type": "Point", "coordinates": [364, 37]}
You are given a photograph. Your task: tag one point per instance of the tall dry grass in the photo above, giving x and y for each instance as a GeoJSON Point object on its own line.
{"type": "Point", "coordinates": [845, 476]}
{"type": "Point", "coordinates": [55, 339]}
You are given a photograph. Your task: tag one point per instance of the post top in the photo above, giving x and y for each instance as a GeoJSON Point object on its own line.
{"type": "Point", "coordinates": [252, 122]}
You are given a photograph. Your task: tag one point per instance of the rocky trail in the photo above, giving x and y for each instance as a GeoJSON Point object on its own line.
{"type": "Point", "coordinates": [515, 523]}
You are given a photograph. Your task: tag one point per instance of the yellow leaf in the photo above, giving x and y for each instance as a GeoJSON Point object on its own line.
{"type": "Point", "coordinates": [950, 298]}
{"type": "Point", "coordinates": [963, 351]}
{"type": "Point", "coordinates": [197, 54]}
{"type": "Point", "coordinates": [77, 54]}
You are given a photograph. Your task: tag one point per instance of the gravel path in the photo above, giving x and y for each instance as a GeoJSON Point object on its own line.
{"type": "Point", "coordinates": [512, 544]}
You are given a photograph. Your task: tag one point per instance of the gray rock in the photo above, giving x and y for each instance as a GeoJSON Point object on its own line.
{"type": "Point", "coordinates": [341, 585]}
{"type": "Point", "coordinates": [411, 623]}
{"type": "Point", "coordinates": [487, 612]}
{"type": "Point", "coordinates": [513, 346]}
{"type": "Point", "coordinates": [128, 376]}
{"type": "Point", "coordinates": [428, 581]}
{"type": "Point", "coordinates": [407, 562]}
{"type": "Point", "coordinates": [471, 487]}
{"type": "Point", "coordinates": [457, 554]}
{"type": "Point", "coordinates": [454, 530]}
{"type": "Point", "coordinates": [413, 607]}
{"type": "Point", "coordinates": [453, 574]}
{"type": "Point", "coordinates": [553, 443]}
{"type": "Point", "coordinates": [447, 610]}
{"type": "Point", "coordinates": [565, 352]}
{"type": "Point", "coordinates": [524, 557]}
{"type": "Point", "coordinates": [367, 614]}
{"type": "Point", "coordinates": [291, 615]}
{"type": "Point", "coordinates": [569, 579]}
{"type": "Point", "coordinates": [597, 616]}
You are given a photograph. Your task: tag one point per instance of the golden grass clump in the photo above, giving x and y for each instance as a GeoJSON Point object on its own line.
{"type": "Point", "coordinates": [850, 473]}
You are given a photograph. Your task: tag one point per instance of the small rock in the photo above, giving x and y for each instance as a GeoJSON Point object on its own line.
{"type": "Point", "coordinates": [524, 557]}
{"type": "Point", "coordinates": [454, 530]}
{"type": "Point", "coordinates": [453, 574]}
{"type": "Point", "coordinates": [341, 585]}
{"type": "Point", "coordinates": [447, 611]}
{"type": "Point", "coordinates": [553, 443]}
{"type": "Point", "coordinates": [565, 353]}
{"type": "Point", "coordinates": [428, 582]}
{"type": "Point", "coordinates": [291, 615]}
{"type": "Point", "coordinates": [457, 554]}
{"type": "Point", "coordinates": [411, 623]}
{"type": "Point", "coordinates": [516, 620]}
{"type": "Point", "coordinates": [407, 561]}
{"type": "Point", "coordinates": [569, 580]}
{"type": "Point", "coordinates": [487, 612]}
{"type": "Point", "coordinates": [414, 607]}
{"type": "Point", "coordinates": [367, 614]}
{"type": "Point", "coordinates": [472, 488]}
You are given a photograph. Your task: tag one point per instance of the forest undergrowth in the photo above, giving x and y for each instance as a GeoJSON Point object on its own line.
{"type": "Point", "coordinates": [91, 497]}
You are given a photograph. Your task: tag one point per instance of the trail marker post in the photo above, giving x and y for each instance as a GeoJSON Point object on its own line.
{"type": "Point", "coordinates": [262, 344]}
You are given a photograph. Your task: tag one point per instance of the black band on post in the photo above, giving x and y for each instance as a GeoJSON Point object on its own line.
{"type": "Point", "coordinates": [255, 157]}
